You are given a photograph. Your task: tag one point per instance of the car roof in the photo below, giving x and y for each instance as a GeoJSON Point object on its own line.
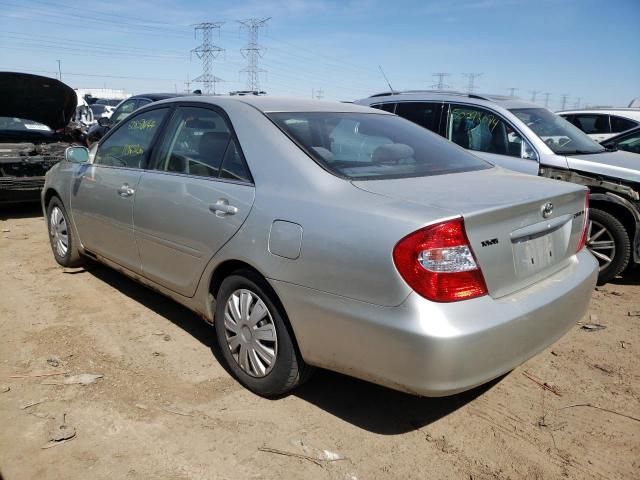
{"type": "Point", "coordinates": [158, 96]}
{"type": "Point", "coordinates": [269, 104]}
{"type": "Point", "coordinates": [450, 96]}
{"type": "Point", "coordinates": [624, 112]}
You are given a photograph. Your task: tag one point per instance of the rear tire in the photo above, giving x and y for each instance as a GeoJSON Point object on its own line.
{"type": "Point", "coordinates": [259, 350]}
{"type": "Point", "coordinates": [61, 237]}
{"type": "Point", "coordinates": [609, 242]}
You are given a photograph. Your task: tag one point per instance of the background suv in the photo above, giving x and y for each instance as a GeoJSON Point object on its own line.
{"type": "Point", "coordinates": [602, 124]}
{"type": "Point", "coordinates": [525, 137]}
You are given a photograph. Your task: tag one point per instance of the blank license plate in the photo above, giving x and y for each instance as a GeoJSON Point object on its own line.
{"type": "Point", "coordinates": [534, 255]}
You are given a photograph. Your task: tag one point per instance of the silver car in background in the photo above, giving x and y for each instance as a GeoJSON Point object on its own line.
{"type": "Point", "coordinates": [329, 235]}
{"type": "Point", "coordinates": [527, 138]}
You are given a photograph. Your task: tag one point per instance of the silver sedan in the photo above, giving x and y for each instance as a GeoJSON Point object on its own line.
{"type": "Point", "coordinates": [329, 235]}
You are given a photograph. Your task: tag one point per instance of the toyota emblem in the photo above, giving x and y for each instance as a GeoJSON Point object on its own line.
{"type": "Point", "coordinates": [547, 210]}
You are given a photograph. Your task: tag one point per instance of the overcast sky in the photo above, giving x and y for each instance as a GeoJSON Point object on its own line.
{"type": "Point", "coordinates": [584, 48]}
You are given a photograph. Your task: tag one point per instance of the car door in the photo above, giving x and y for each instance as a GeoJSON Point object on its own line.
{"type": "Point", "coordinates": [491, 137]}
{"type": "Point", "coordinates": [194, 198]}
{"type": "Point", "coordinates": [104, 191]}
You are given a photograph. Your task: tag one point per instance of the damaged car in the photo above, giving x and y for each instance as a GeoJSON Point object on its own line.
{"type": "Point", "coordinates": [35, 130]}
{"type": "Point", "coordinates": [527, 138]}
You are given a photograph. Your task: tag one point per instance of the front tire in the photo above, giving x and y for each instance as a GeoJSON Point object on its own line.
{"type": "Point", "coordinates": [63, 242]}
{"type": "Point", "coordinates": [608, 241]}
{"type": "Point", "coordinates": [253, 336]}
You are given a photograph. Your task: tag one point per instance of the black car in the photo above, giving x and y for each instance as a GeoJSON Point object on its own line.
{"type": "Point", "coordinates": [628, 141]}
{"type": "Point", "coordinates": [35, 116]}
{"type": "Point", "coordinates": [123, 110]}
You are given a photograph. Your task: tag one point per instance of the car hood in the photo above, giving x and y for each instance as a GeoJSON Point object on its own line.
{"type": "Point", "coordinates": [40, 99]}
{"type": "Point", "coordinates": [620, 164]}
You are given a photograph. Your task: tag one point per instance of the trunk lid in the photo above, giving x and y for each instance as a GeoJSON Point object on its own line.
{"type": "Point", "coordinates": [514, 244]}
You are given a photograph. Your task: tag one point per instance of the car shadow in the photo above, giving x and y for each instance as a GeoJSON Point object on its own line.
{"type": "Point", "coordinates": [379, 409]}
{"type": "Point", "coordinates": [20, 210]}
{"type": "Point", "coordinates": [630, 277]}
{"type": "Point", "coordinates": [365, 405]}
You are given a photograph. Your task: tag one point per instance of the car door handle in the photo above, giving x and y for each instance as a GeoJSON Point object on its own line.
{"type": "Point", "coordinates": [126, 191]}
{"type": "Point", "coordinates": [222, 208]}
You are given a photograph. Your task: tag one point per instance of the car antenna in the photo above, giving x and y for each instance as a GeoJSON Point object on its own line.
{"type": "Point", "coordinates": [386, 79]}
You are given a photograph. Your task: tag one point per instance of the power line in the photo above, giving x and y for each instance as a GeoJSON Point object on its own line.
{"type": "Point", "coordinates": [440, 85]}
{"type": "Point", "coordinates": [472, 80]}
{"type": "Point", "coordinates": [207, 52]}
{"type": "Point", "coordinates": [253, 51]}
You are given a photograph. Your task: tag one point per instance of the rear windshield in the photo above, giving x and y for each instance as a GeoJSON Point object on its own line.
{"type": "Point", "coordinates": [374, 146]}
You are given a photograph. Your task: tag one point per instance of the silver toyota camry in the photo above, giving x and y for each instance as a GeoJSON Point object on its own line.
{"type": "Point", "coordinates": [318, 234]}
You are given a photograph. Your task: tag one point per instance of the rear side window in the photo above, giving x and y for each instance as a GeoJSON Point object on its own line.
{"type": "Point", "coordinates": [592, 124]}
{"type": "Point", "coordinates": [425, 114]}
{"type": "Point", "coordinates": [619, 124]}
{"type": "Point", "coordinates": [387, 107]}
{"type": "Point", "coordinates": [129, 145]}
{"type": "Point", "coordinates": [198, 142]}
{"type": "Point", "coordinates": [482, 131]}
{"type": "Point", "coordinates": [374, 146]}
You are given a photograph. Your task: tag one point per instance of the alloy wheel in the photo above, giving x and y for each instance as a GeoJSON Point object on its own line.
{"type": "Point", "coordinates": [601, 243]}
{"type": "Point", "coordinates": [250, 333]}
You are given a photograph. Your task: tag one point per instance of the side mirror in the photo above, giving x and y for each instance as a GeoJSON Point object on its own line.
{"type": "Point", "coordinates": [527, 152]}
{"type": "Point", "coordinates": [76, 155]}
{"type": "Point", "coordinates": [104, 121]}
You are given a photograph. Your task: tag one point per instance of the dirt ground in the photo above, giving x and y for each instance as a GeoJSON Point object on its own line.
{"type": "Point", "coordinates": [166, 409]}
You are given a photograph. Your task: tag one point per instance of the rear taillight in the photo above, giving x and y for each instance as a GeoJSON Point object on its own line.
{"type": "Point", "coordinates": [585, 223]}
{"type": "Point", "coordinates": [438, 263]}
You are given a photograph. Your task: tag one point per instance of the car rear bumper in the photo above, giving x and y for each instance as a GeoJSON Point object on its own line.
{"type": "Point", "coordinates": [437, 349]}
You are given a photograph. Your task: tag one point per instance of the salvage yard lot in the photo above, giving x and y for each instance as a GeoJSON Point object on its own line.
{"type": "Point", "coordinates": [166, 409]}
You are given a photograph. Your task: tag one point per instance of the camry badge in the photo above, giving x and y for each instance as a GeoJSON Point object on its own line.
{"type": "Point", "coordinates": [547, 210]}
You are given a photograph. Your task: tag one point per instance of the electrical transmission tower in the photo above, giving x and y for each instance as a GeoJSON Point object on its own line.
{"type": "Point", "coordinates": [534, 94]}
{"type": "Point", "coordinates": [317, 94]}
{"type": "Point", "coordinates": [440, 85]}
{"type": "Point", "coordinates": [563, 101]}
{"type": "Point", "coordinates": [472, 81]}
{"type": "Point", "coordinates": [207, 52]}
{"type": "Point", "coordinates": [546, 99]}
{"type": "Point", "coordinates": [577, 102]}
{"type": "Point", "coordinates": [512, 91]}
{"type": "Point", "coordinates": [253, 51]}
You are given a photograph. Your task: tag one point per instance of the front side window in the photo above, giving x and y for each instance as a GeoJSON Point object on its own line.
{"type": "Point", "coordinates": [425, 114]}
{"type": "Point", "coordinates": [619, 124]}
{"type": "Point", "coordinates": [199, 142]}
{"type": "Point", "coordinates": [591, 124]}
{"type": "Point", "coordinates": [560, 136]}
{"type": "Point", "coordinates": [129, 145]}
{"type": "Point", "coordinates": [482, 131]}
{"type": "Point", "coordinates": [123, 111]}
{"type": "Point", "coordinates": [373, 146]}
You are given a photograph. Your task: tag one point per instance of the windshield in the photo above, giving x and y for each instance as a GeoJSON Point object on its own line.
{"type": "Point", "coordinates": [374, 146]}
{"type": "Point", "coordinates": [20, 125]}
{"type": "Point", "coordinates": [560, 136]}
